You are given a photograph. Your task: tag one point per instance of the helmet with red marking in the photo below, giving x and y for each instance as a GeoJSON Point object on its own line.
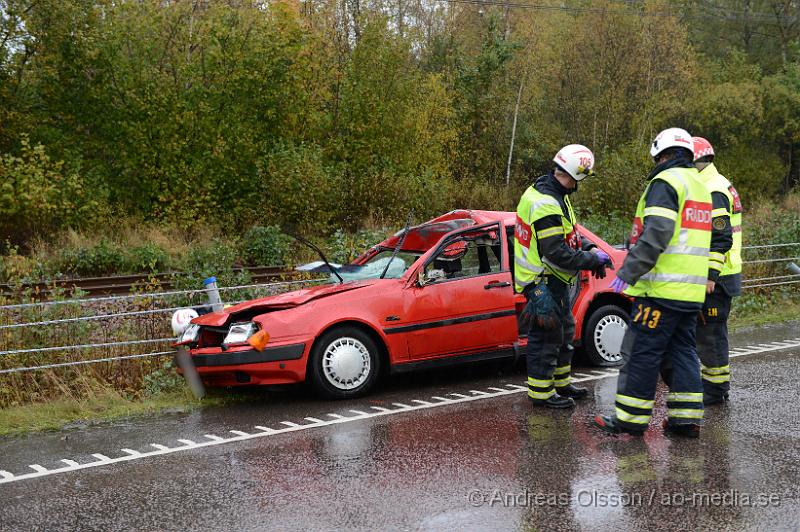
{"type": "Point", "coordinates": [702, 148]}
{"type": "Point", "coordinates": [577, 160]}
{"type": "Point", "coordinates": [673, 137]}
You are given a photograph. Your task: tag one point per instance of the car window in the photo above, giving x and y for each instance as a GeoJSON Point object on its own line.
{"type": "Point", "coordinates": [466, 255]}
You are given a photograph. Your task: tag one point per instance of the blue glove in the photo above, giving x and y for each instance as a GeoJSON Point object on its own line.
{"type": "Point", "coordinates": [603, 256]}
{"type": "Point", "coordinates": [618, 285]}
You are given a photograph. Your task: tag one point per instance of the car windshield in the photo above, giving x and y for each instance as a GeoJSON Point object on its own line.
{"type": "Point", "coordinates": [373, 268]}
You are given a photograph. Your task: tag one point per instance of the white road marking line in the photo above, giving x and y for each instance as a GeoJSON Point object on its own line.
{"type": "Point", "coordinates": [314, 420]}
{"type": "Point", "coordinates": [239, 432]}
{"type": "Point", "coordinates": [580, 375]}
{"type": "Point", "coordinates": [418, 401]}
{"type": "Point", "coordinates": [359, 413]}
{"type": "Point", "coordinates": [131, 452]}
{"type": "Point", "coordinates": [39, 471]}
{"type": "Point", "coordinates": [379, 409]}
{"type": "Point", "coordinates": [442, 399]}
{"type": "Point", "coordinates": [496, 389]}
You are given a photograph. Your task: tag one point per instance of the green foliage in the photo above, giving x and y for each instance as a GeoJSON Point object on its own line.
{"type": "Point", "coordinates": [212, 259]}
{"type": "Point", "coordinates": [266, 246]}
{"type": "Point", "coordinates": [37, 195]}
{"type": "Point", "coordinates": [342, 248]}
{"type": "Point", "coordinates": [163, 380]}
{"type": "Point", "coordinates": [104, 258]}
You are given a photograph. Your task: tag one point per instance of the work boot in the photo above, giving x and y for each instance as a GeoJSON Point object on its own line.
{"type": "Point", "coordinates": [686, 430]}
{"type": "Point", "coordinates": [554, 401]}
{"type": "Point", "coordinates": [570, 390]}
{"type": "Point", "coordinates": [609, 424]}
{"type": "Point", "coordinates": [715, 399]}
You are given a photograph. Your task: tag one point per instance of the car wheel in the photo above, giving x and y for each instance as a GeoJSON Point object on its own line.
{"type": "Point", "coordinates": [602, 336]}
{"type": "Point", "coordinates": [345, 362]}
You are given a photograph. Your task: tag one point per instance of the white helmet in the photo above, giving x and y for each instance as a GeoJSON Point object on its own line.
{"type": "Point", "coordinates": [181, 320]}
{"type": "Point", "coordinates": [673, 137]}
{"type": "Point", "coordinates": [577, 160]}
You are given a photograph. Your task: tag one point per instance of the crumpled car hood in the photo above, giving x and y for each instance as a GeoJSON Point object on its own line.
{"type": "Point", "coordinates": [281, 301]}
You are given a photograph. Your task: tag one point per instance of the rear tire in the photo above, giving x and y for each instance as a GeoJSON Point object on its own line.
{"type": "Point", "coordinates": [345, 363]}
{"type": "Point", "coordinates": [602, 335]}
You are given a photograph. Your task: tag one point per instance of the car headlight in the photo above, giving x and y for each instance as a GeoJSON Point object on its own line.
{"type": "Point", "coordinates": [240, 332]}
{"type": "Point", "coordinates": [191, 334]}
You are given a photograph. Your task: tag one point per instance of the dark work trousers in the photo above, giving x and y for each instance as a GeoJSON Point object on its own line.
{"type": "Point", "coordinates": [712, 344]}
{"type": "Point", "coordinates": [656, 332]}
{"type": "Point", "coordinates": [549, 352]}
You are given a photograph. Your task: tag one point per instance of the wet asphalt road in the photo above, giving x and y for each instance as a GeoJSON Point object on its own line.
{"type": "Point", "coordinates": [494, 463]}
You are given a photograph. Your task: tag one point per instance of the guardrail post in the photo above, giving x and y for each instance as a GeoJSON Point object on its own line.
{"type": "Point", "coordinates": [210, 286]}
{"type": "Point", "coordinates": [184, 361]}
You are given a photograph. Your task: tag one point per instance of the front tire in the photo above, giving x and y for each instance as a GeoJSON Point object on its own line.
{"type": "Point", "coordinates": [603, 333]}
{"type": "Point", "coordinates": [345, 363]}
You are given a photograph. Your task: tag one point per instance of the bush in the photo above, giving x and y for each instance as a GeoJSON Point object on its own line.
{"type": "Point", "coordinates": [37, 196]}
{"type": "Point", "coordinates": [103, 258]}
{"type": "Point", "coordinates": [149, 257]}
{"type": "Point", "coordinates": [266, 246]}
{"type": "Point", "coordinates": [215, 258]}
{"type": "Point", "coordinates": [343, 247]}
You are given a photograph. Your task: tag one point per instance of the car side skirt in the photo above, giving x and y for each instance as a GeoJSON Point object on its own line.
{"type": "Point", "coordinates": [447, 361]}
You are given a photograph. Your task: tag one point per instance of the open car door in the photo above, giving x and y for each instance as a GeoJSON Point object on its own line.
{"type": "Point", "coordinates": [461, 298]}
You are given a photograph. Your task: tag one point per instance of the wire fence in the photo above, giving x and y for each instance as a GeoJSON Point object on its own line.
{"type": "Point", "coordinates": [23, 369]}
{"type": "Point", "coordinates": [758, 282]}
{"type": "Point", "coordinates": [152, 295]}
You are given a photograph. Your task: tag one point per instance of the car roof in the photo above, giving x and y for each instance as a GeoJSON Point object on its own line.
{"type": "Point", "coordinates": [421, 237]}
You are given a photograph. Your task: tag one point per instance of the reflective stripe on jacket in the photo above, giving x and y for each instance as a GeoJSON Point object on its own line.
{"type": "Point", "coordinates": [681, 271]}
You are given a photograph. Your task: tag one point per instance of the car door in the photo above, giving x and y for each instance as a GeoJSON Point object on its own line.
{"type": "Point", "coordinates": [465, 302]}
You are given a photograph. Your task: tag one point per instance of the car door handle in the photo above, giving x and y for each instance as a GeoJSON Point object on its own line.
{"type": "Point", "coordinates": [496, 284]}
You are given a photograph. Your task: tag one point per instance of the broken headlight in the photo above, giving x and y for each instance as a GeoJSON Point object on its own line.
{"type": "Point", "coordinates": [239, 333]}
{"type": "Point", "coordinates": [191, 334]}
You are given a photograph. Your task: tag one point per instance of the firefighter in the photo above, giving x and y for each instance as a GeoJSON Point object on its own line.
{"type": "Point", "coordinates": [724, 276]}
{"type": "Point", "coordinates": [548, 252]}
{"type": "Point", "coordinates": [665, 272]}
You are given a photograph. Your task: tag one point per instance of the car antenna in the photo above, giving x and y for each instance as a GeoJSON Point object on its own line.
{"type": "Point", "coordinates": [319, 252]}
{"type": "Point", "coordinates": [399, 242]}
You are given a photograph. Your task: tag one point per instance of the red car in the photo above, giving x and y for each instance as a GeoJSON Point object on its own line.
{"type": "Point", "coordinates": [444, 296]}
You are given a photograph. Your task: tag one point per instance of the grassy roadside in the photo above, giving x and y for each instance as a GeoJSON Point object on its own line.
{"type": "Point", "coordinates": [108, 405]}
{"type": "Point", "coordinates": [105, 406]}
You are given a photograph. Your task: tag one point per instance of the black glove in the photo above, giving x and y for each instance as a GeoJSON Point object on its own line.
{"type": "Point", "coordinates": [541, 308]}
{"type": "Point", "coordinates": [603, 262]}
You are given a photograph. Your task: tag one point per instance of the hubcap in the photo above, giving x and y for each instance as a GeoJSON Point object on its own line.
{"type": "Point", "coordinates": [608, 336]}
{"type": "Point", "coordinates": [346, 363]}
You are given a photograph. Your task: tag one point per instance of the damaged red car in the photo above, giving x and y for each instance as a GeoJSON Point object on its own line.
{"type": "Point", "coordinates": [436, 294]}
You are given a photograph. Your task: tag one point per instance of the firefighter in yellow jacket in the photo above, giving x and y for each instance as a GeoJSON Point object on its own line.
{"type": "Point", "coordinates": [724, 276]}
{"type": "Point", "coordinates": [666, 272]}
{"type": "Point", "coordinates": [548, 252]}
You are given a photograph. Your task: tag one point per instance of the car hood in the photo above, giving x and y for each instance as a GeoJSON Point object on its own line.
{"type": "Point", "coordinates": [280, 301]}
